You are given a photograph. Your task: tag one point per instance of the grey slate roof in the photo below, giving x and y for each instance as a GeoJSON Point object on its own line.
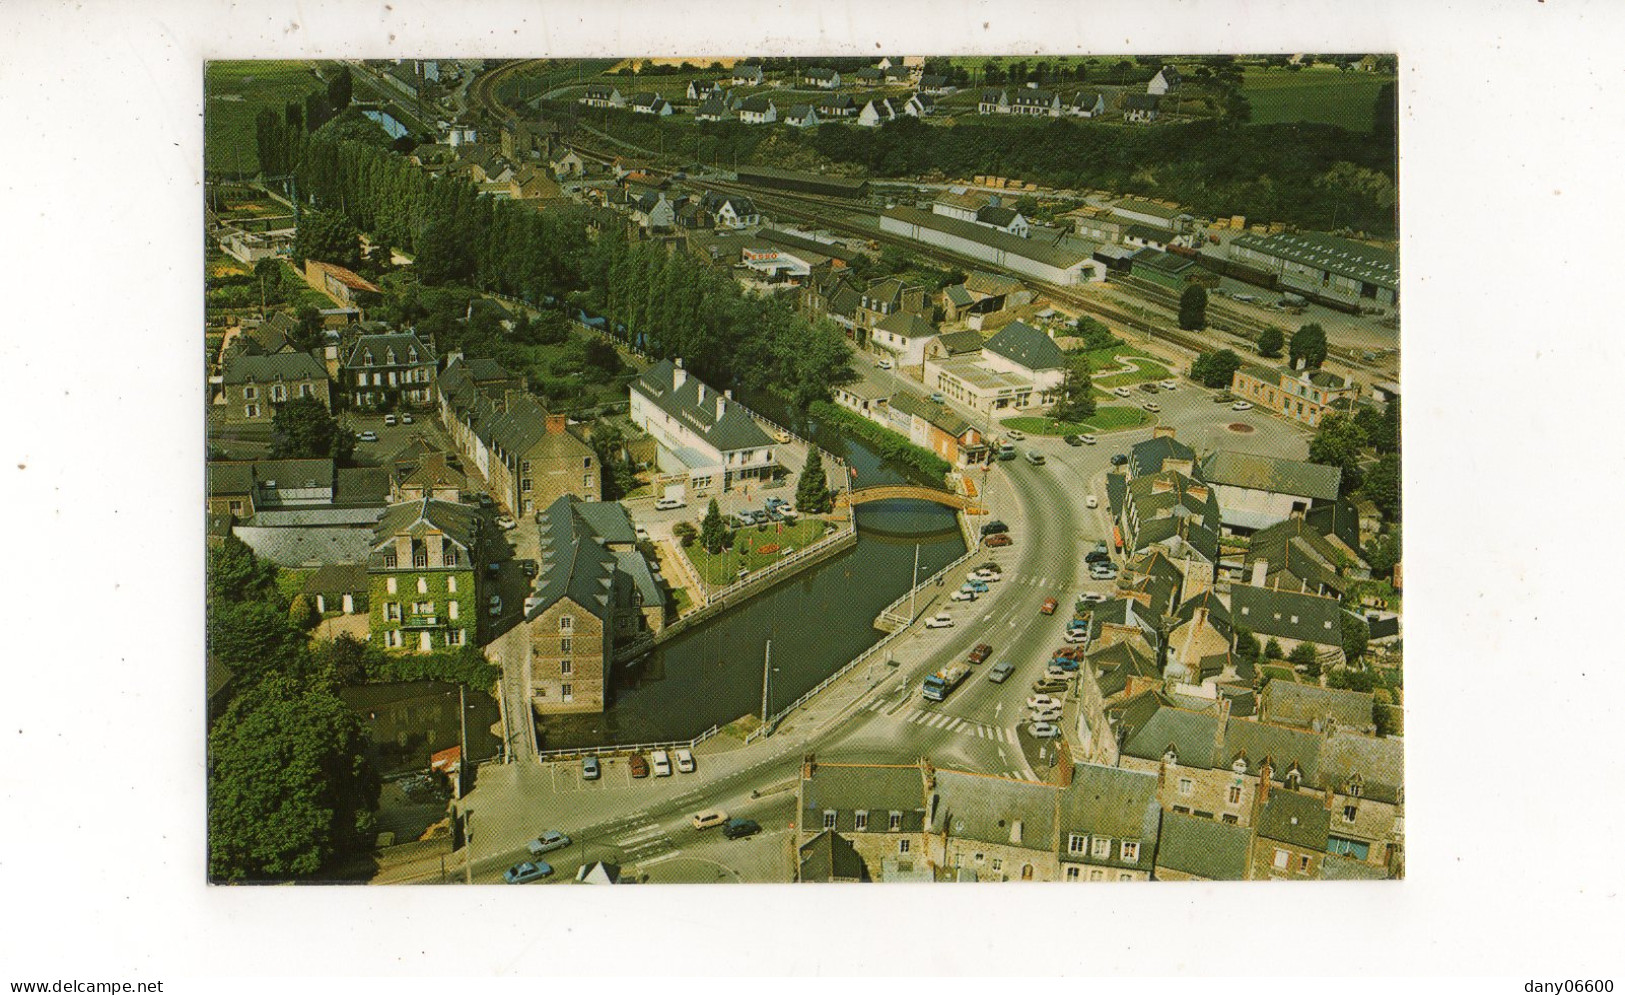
{"type": "Point", "coordinates": [986, 808]}
{"type": "Point", "coordinates": [230, 478]}
{"type": "Point", "coordinates": [1306, 706]}
{"type": "Point", "coordinates": [1218, 615]}
{"type": "Point", "coordinates": [307, 547]}
{"type": "Point", "coordinates": [573, 564]}
{"type": "Point", "coordinates": [829, 856]}
{"type": "Point", "coordinates": [458, 522]}
{"type": "Point", "coordinates": [961, 343]}
{"type": "Point", "coordinates": [1336, 867]}
{"type": "Point", "coordinates": [1147, 457]}
{"type": "Point", "coordinates": [378, 347]}
{"type": "Point", "coordinates": [1059, 256]}
{"type": "Point", "coordinates": [636, 568]}
{"type": "Point", "coordinates": [245, 368]}
{"type": "Point", "coordinates": [1287, 614]}
{"type": "Point", "coordinates": [1299, 820]}
{"type": "Point", "coordinates": [1204, 848]}
{"type": "Point", "coordinates": [999, 217]}
{"type": "Point", "coordinates": [1192, 735]}
{"type": "Point", "coordinates": [1284, 748]}
{"type": "Point", "coordinates": [1380, 764]}
{"type": "Point", "coordinates": [1329, 252]}
{"type": "Point", "coordinates": [712, 107]}
{"type": "Point", "coordinates": [1113, 802]}
{"type": "Point", "coordinates": [734, 430]}
{"type": "Point", "coordinates": [1027, 346]}
{"type": "Point", "coordinates": [907, 324]}
{"type": "Point", "coordinates": [756, 104]}
{"type": "Point", "coordinates": [1273, 474]}
{"type": "Point", "coordinates": [1115, 664]}
{"type": "Point", "coordinates": [337, 578]}
{"type": "Point", "coordinates": [1139, 102]}
{"type": "Point", "coordinates": [878, 790]}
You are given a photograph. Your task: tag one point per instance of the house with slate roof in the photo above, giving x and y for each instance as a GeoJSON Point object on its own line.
{"type": "Point", "coordinates": [1166, 81]}
{"type": "Point", "coordinates": [827, 858]}
{"type": "Point", "coordinates": [747, 74]}
{"type": "Point", "coordinates": [253, 385]}
{"type": "Point", "coordinates": [1366, 777]}
{"type": "Point", "coordinates": [1003, 219]}
{"type": "Point", "coordinates": [920, 105]}
{"type": "Point", "coordinates": [430, 475]}
{"type": "Point", "coordinates": [528, 457]}
{"type": "Point", "coordinates": [651, 103]}
{"type": "Point", "coordinates": [1162, 452]}
{"type": "Point", "coordinates": [1257, 491]}
{"type": "Point", "coordinates": [904, 335]}
{"type": "Point", "coordinates": [425, 570]}
{"type": "Point", "coordinates": [758, 109]}
{"type": "Point", "coordinates": [1109, 822]}
{"type": "Point", "coordinates": [993, 102]}
{"type": "Point", "coordinates": [1174, 511]}
{"type": "Point", "coordinates": [1023, 351]}
{"type": "Point", "coordinates": [731, 210]}
{"type": "Point", "coordinates": [1199, 644]}
{"type": "Point", "coordinates": [824, 79]}
{"type": "Point", "coordinates": [601, 95]}
{"type": "Point", "coordinates": [703, 89]}
{"type": "Point", "coordinates": [951, 344]}
{"type": "Point", "coordinates": [1304, 396]}
{"type": "Point", "coordinates": [1294, 556]}
{"type": "Point", "coordinates": [801, 116]}
{"type": "Point", "coordinates": [702, 433]}
{"type": "Point", "coordinates": [837, 106]}
{"type": "Point", "coordinates": [933, 426]}
{"type": "Point", "coordinates": [389, 370]}
{"type": "Point", "coordinates": [1317, 709]}
{"type": "Point", "coordinates": [987, 828]}
{"type": "Point", "coordinates": [876, 113]}
{"type": "Point", "coordinates": [879, 810]}
{"type": "Point", "coordinates": [593, 594]}
{"type": "Point", "coordinates": [338, 589]}
{"type": "Point", "coordinates": [1289, 836]}
{"type": "Point", "coordinates": [1192, 849]}
{"type": "Point", "coordinates": [1290, 619]}
{"type": "Point", "coordinates": [1033, 102]}
{"type": "Point", "coordinates": [713, 109]}
{"type": "Point", "coordinates": [935, 84]}
{"type": "Point", "coordinates": [1140, 108]}
{"type": "Point", "coordinates": [1086, 103]}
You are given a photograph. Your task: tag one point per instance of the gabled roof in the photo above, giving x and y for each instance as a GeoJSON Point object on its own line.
{"type": "Point", "coordinates": [818, 72]}
{"type": "Point", "coordinates": [734, 430]}
{"type": "Point", "coordinates": [1031, 97]}
{"type": "Point", "coordinates": [986, 808]}
{"type": "Point", "coordinates": [349, 278]}
{"type": "Point", "coordinates": [1284, 748]}
{"type": "Point", "coordinates": [1204, 848]}
{"type": "Point", "coordinates": [1061, 255]}
{"type": "Point", "coordinates": [245, 368]}
{"type": "Point", "coordinates": [337, 578]}
{"type": "Point", "coordinates": [1273, 474]}
{"type": "Point", "coordinates": [1218, 615]}
{"type": "Point", "coordinates": [993, 96]}
{"type": "Point", "coordinates": [999, 217]}
{"type": "Point", "coordinates": [1299, 558]}
{"type": "Point", "coordinates": [1287, 614]}
{"type": "Point", "coordinates": [711, 107]}
{"type": "Point", "coordinates": [1113, 802]}
{"type": "Point", "coordinates": [378, 347]}
{"type": "Point", "coordinates": [1193, 736]}
{"type": "Point", "coordinates": [829, 856]}
{"type": "Point", "coordinates": [1295, 819]}
{"type": "Point", "coordinates": [1379, 763]}
{"type": "Point", "coordinates": [1085, 98]}
{"type": "Point", "coordinates": [1115, 664]}
{"type": "Point", "coordinates": [960, 343]}
{"type": "Point", "coordinates": [1026, 346]}
{"type": "Point", "coordinates": [1342, 256]}
{"type": "Point", "coordinates": [1307, 706]}
{"type": "Point", "coordinates": [1147, 457]}
{"type": "Point", "coordinates": [573, 562]}
{"type": "Point", "coordinates": [957, 295]}
{"type": "Point", "coordinates": [757, 104]}
{"type": "Point", "coordinates": [1139, 102]}
{"type": "Point", "coordinates": [871, 788]}
{"type": "Point", "coordinates": [459, 523]}
{"type": "Point", "coordinates": [906, 324]}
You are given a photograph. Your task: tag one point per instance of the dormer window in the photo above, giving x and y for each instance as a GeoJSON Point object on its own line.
{"type": "Point", "coordinates": [1170, 756]}
{"type": "Point", "coordinates": [1240, 764]}
{"type": "Point", "coordinates": [1294, 778]}
{"type": "Point", "coordinates": [1356, 785]}
{"type": "Point", "coordinates": [389, 357]}
{"type": "Point", "coordinates": [412, 354]}
{"type": "Point", "coordinates": [366, 358]}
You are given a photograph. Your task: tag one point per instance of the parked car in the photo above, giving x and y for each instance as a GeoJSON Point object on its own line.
{"type": "Point", "coordinates": [1049, 606]}
{"type": "Point", "coordinates": [406, 419]}
{"type": "Point", "coordinates": [709, 818]}
{"type": "Point", "coordinates": [1043, 701]}
{"type": "Point", "coordinates": [590, 770]}
{"type": "Point", "coordinates": [662, 763]}
{"type": "Point", "coordinates": [526, 872]}
{"type": "Point", "coordinates": [1054, 673]}
{"type": "Point", "coordinates": [1088, 438]}
{"type": "Point", "coordinates": [1168, 384]}
{"type": "Point", "coordinates": [736, 829]}
{"type": "Point", "coordinates": [994, 527]}
{"type": "Point", "coordinates": [1223, 397]}
{"type": "Point", "coordinates": [1075, 636]}
{"type": "Point", "coordinates": [1241, 406]}
{"type": "Point", "coordinates": [1121, 391]}
{"type": "Point", "coordinates": [1245, 298]}
{"type": "Point", "coordinates": [1015, 434]}
{"type": "Point", "coordinates": [976, 584]}
{"type": "Point", "coordinates": [1149, 387]}
{"type": "Point", "coordinates": [685, 760]}
{"type": "Point", "coordinates": [962, 595]}
{"type": "Point", "coordinates": [1007, 451]}
{"type": "Point", "coordinates": [745, 518]}
{"type": "Point", "coordinates": [980, 653]}
{"type": "Point", "coordinates": [1035, 458]}
{"type": "Point", "coordinates": [774, 502]}
{"type": "Point", "coordinates": [637, 765]}
{"type": "Point", "coordinates": [1093, 597]}
{"type": "Point", "coordinates": [669, 504]}
{"type": "Point", "coordinates": [990, 567]}
{"type": "Point", "coordinates": [389, 420]}
{"type": "Point", "coordinates": [936, 397]}
{"type": "Point", "coordinates": [883, 364]}
{"type": "Point", "coordinates": [528, 568]}
{"type": "Point", "coordinates": [941, 620]}
{"type": "Point", "coordinates": [1152, 406]}
{"type": "Point", "coordinates": [1044, 730]}
{"type": "Point", "coordinates": [1001, 672]}
{"type": "Point", "coordinates": [1048, 684]}
{"type": "Point", "coordinates": [547, 843]}
{"type": "Point", "coordinates": [642, 533]}
{"type": "Point", "coordinates": [1072, 440]}
{"type": "Point", "coordinates": [367, 436]}
{"type": "Point", "coordinates": [1103, 571]}
{"type": "Point", "coordinates": [1045, 714]}
{"type": "Point", "coordinates": [996, 541]}
{"type": "Point", "coordinates": [1091, 502]}
{"type": "Point", "coordinates": [1119, 459]}
{"type": "Point", "coordinates": [506, 522]}
{"type": "Point", "coordinates": [496, 605]}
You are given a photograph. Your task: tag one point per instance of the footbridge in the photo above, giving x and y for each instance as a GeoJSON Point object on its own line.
{"type": "Point", "coordinates": [888, 492]}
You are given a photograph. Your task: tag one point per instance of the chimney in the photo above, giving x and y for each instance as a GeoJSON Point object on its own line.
{"type": "Point", "coordinates": [555, 424]}
{"type": "Point", "coordinates": [403, 551]}
{"type": "Point", "coordinates": [1015, 827]}
{"type": "Point", "coordinates": [1331, 800]}
{"type": "Point", "coordinates": [1261, 567]}
{"type": "Point", "coordinates": [701, 388]}
{"type": "Point", "coordinates": [1163, 432]}
{"type": "Point", "coordinates": [1264, 774]}
{"type": "Point", "coordinates": [679, 376]}
{"type": "Point", "coordinates": [729, 394]}
{"type": "Point", "coordinates": [437, 549]}
{"type": "Point", "coordinates": [722, 405]}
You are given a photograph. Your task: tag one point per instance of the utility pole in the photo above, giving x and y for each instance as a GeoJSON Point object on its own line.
{"type": "Point", "coordinates": [767, 658]}
{"type": "Point", "coordinates": [914, 587]}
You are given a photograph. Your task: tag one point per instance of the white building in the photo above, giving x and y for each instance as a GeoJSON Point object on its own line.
{"type": "Point", "coordinates": [1059, 261]}
{"type": "Point", "coordinates": [1018, 368]}
{"type": "Point", "coordinates": [701, 433]}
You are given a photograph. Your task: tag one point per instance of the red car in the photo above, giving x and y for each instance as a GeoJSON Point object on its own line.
{"type": "Point", "coordinates": [638, 765]}
{"type": "Point", "coordinates": [995, 541]}
{"type": "Point", "coordinates": [980, 653]}
{"type": "Point", "coordinates": [1050, 604]}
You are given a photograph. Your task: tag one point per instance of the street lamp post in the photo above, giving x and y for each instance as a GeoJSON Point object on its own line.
{"type": "Point", "coordinates": [914, 584]}
{"type": "Point", "coordinates": [767, 659]}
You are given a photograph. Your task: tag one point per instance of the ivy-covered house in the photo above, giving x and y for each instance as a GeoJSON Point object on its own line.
{"type": "Point", "coordinates": [424, 577]}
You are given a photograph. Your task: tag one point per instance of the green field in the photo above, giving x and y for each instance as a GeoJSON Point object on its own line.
{"type": "Point", "coordinates": [1328, 96]}
{"type": "Point", "coordinates": [723, 568]}
{"type": "Point", "coordinates": [234, 92]}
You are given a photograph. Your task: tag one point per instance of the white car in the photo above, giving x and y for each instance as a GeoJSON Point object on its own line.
{"type": "Point", "coordinates": [1088, 439]}
{"type": "Point", "coordinates": [1044, 730]}
{"type": "Point", "coordinates": [1168, 384]}
{"type": "Point", "coordinates": [1241, 406]}
{"type": "Point", "coordinates": [941, 620]}
{"type": "Point", "coordinates": [685, 760]}
{"type": "Point", "coordinates": [1038, 701]}
{"type": "Point", "coordinates": [1093, 597]}
{"type": "Point", "coordinates": [1091, 502]}
{"type": "Point", "coordinates": [1054, 673]}
{"type": "Point", "coordinates": [962, 595]}
{"type": "Point", "coordinates": [505, 523]}
{"type": "Point", "coordinates": [1046, 714]}
{"type": "Point", "coordinates": [1121, 391]}
{"type": "Point", "coordinates": [496, 605]}
{"type": "Point", "coordinates": [642, 533]}
{"type": "Point", "coordinates": [1076, 636]}
{"type": "Point", "coordinates": [1015, 434]}
{"type": "Point", "coordinates": [1152, 406]}
{"type": "Point", "coordinates": [668, 504]}
{"type": "Point", "coordinates": [987, 576]}
{"type": "Point", "coordinates": [884, 364]}
{"type": "Point", "coordinates": [406, 419]}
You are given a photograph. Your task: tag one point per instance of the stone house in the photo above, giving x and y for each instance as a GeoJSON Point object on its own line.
{"type": "Point", "coordinates": [879, 810]}
{"type": "Point", "coordinates": [390, 369]}
{"type": "Point", "coordinates": [425, 577]}
{"type": "Point", "coordinates": [253, 385]}
{"type": "Point", "coordinates": [1290, 619]}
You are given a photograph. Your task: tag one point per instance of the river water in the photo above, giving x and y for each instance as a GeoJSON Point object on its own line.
{"type": "Point", "coordinates": [817, 621]}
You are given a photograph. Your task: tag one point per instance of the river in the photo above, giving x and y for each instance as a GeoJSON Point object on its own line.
{"type": "Point", "coordinates": [817, 621]}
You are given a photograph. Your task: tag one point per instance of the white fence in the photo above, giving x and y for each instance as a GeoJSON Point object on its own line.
{"type": "Point", "coordinates": [619, 748]}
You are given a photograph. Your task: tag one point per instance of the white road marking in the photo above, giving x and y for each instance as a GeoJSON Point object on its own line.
{"type": "Point", "coordinates": [640, 836]}
{"type": "Point", "coordinates": [1010, 736]}
{"type": "Point", "coordinates": [660, 859]}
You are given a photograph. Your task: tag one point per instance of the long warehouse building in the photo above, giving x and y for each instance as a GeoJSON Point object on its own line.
{"type": "Point", "coordinates": [1039, 259]}
{"type": "Point", "coordinates": [1326, 268]}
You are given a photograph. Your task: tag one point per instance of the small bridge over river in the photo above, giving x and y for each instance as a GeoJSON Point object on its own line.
{"type": "Point", "coordinates": [888, 492]}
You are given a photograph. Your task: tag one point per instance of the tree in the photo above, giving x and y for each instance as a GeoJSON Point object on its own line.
{"type": "Point", "coordinates": [685, 533]}
{"type": "Point", "coordinates": [309, 333]}
{"type": "Point", "coordinates": [1338, 443]}
{"type": "Point", "coordinates": [812, 488]}
{"type": "Point", "coordinates": [1247, 645]}
{"type": "Point", "coordinates": [289, 784]}
{"type": "Point", "coordinates": [327, 237]}
{"type": "Point", "coordinates": [1193, 308]}
{"type": "Point", "coordinates": [601, 359]}
{"type": "Point", "coordinates": [1308, 345]}
{"type": "Point", "coordinates": [1270, 341]}
{"type": "Point", "coordinates": [1272, 650]}
{"type": "Point", "coordinates": [348, 661]}
{"type": "Point", "coordinates": [339, 89]}
{"type": "Point", "coordinates": [1385, 114]}
{"type": "Point", "coordinates": [302, 614]}
{"type": "Point", "coordinates": [254, 641]}
{"type": "Point", "coordinates": [1382, 486]}
{"type": "Point", "coordinates": [1076, 400]}
{"type": "Point", "coordinates": [1216, 369]}
{"type": "Point", "coordinates": [1356, 633]}
{"type": "Point", "coordinates": [1094, 334]}
{"type": "Point", "coordinates": [1303, 655]}
{"type": "Point", "coordinates": [1383, 552]}
{"type": "Point", "coordinates": [713, 531]}
{"type": "Point", "coordinates": [1345, 679]}
{"type": "Point", "coordinates": [303, 428]}
{"type": "Point", "coordinates": [235, 574]}
{"type": "Point", "coordinates": [620, 477]}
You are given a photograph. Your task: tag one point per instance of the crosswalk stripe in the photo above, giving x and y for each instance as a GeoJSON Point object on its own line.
{"type": "Point", "coordinates": [647, 832]}
{"type": "Point", "coordinates": [1010, 736]}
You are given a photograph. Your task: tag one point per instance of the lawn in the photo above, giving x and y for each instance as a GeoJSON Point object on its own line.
{"type": "Point", "coordinates": [1280, 673]}
{"type": "Point", "coordinates": [1107, 419]}
{"type": "Point", "coordinates": [234, 92]}
{"type": "Point", "coordinates": [1148, 370]}
{"type": "Point", "coordinates": [723, 568]}
{"type": "Point", "coordinates": [1329, 96]}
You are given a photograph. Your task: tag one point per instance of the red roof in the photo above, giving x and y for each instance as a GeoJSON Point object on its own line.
{"type": "Point", "coordinates": [348, 277]}
{"type": "Point", "coordinates": [446, 760]}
